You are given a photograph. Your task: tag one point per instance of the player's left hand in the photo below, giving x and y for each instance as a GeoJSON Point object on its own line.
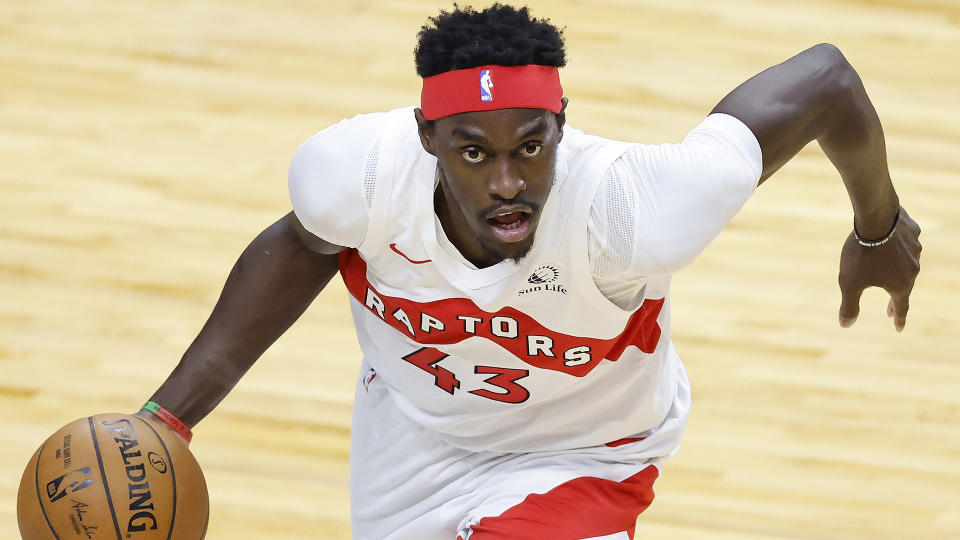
{"type": "Point", "coordinates": [893, 266]}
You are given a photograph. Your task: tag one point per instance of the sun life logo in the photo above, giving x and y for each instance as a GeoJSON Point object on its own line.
{"type": "Point", "coordinates": [544, 274]}
{"type": "Point", "coordinates": [544, 278]}
{"type": "Point", "coordinates": [486, 83]}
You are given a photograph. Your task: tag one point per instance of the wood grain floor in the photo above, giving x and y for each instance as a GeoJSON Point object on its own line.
{"type": "Point", "coordinates": [143, 144]}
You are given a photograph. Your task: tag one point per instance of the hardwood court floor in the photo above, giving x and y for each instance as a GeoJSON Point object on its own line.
{"type": "Point", "coordinates": [144, 143]}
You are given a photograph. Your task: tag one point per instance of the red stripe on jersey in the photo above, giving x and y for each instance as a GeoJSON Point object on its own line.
{"type": "Point", "coordinates": [584, 507]}
{"type": "Point", "coordinates": [621, 442]}
{"type": "Point", "coordinates": [452, 320]}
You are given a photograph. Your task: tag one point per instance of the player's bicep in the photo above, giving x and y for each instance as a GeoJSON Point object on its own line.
{"type": "Point", "coordinates": [785, 105]}
{"type": "Point", "coordinates": [687, 192]}
{"type": "Point", "coordinates": [311, 241]}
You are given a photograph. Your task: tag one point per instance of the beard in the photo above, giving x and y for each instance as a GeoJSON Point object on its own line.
{"type": "Point", "coordinates": [516, 256]}
{"type": "Point", "coordinates": [495, 249]}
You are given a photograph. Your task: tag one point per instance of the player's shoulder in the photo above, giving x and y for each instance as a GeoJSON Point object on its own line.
{"type": "Point", "coordinates": [577, 143]}
{"type": "Point", "coordinates": [332, 174]}
{"type": "Point", "coordinates": [719, 138]}
{"type": "Point", "coordinates": [583, 155]}
{"type": "Point", "coordinates": [348, 138]}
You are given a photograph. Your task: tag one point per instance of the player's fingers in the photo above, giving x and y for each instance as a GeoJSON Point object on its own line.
{"type": "Point", "coordinates": [849, 306]}
{"type": "Point", "coordinates": [901, 304]}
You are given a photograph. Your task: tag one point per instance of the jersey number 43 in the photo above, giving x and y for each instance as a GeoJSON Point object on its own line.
{"type": "Point", "coordinates": [503, 381]}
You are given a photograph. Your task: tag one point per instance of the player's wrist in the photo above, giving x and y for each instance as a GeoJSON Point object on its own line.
{"type": "Point", "coordinates": [866, 241]}
{"type": "Point", "coordinates": [874, 219]}
{"type": "Point", "coordinates": [153, 409]}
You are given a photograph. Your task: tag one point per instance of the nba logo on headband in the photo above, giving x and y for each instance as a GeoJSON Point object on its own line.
{"type": "Point", "coordinates": [486, 83]}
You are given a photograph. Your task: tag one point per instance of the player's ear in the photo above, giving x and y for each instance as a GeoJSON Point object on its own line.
{"type": "Point", "coordinates": [426, 130]}
{"type": "Point", "coordinates": [562, 115]}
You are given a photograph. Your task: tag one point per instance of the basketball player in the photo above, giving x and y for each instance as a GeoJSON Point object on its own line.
{"type": "Point", "coordinates": [510, 278]}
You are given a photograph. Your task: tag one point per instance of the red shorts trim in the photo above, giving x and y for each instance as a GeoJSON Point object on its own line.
{"type": "Point", "coordinates": [581, 508]}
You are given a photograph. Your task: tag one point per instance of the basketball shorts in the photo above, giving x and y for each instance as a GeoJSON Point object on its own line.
{"type": "Point", "coordinates": [406, 483]}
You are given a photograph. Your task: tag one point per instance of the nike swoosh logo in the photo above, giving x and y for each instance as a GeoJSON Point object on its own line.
{"type": "Point", "coordinates": [400, 253]}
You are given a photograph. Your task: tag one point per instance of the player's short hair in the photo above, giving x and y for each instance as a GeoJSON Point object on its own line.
{"type": "Point", "coordinates": [499, 35]}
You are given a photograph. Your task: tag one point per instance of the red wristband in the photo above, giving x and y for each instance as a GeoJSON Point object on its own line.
{"type": "Point", "coordinates": [169, 419]}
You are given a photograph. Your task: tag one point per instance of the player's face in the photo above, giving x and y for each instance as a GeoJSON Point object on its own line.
{"type": "Point", "coordinates": [496, 169]}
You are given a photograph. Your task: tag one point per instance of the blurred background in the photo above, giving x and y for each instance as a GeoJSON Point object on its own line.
{"type": "Point", "coordinates": [144, 144]}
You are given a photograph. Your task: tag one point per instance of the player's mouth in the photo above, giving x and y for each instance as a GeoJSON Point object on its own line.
{"type": "Point", "coordinates": [510, 225]}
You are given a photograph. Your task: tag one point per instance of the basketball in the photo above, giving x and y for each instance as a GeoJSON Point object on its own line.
{"type": "Point", "coordinates": [113, 476]}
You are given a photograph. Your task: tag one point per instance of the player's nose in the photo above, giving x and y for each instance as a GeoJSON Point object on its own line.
{"type": "Point", "coordinates": [506, 182]}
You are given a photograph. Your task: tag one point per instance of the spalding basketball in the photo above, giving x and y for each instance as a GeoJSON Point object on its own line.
{"type": "Point", "coordinates": [113, 476]}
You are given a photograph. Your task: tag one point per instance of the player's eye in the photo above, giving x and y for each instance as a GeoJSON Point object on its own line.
{"type": "Point", "coordinates": [532, 149]}
{"type": "Point", "coordinates": [473, 155]}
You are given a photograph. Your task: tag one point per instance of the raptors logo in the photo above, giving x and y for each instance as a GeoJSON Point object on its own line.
{"type": "Point", "coordinates": [544, 274]}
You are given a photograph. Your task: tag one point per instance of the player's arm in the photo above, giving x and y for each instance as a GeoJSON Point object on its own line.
{"type": "Point", "coordinates": [817, 95]}
{"type": "Point", "coordinates": [276, 277]}
{"type": "Point", "coordinates": [280, 273]}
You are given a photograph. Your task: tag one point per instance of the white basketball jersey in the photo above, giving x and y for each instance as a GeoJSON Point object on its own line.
{"type": "Point", "coordinates": [513, 357]}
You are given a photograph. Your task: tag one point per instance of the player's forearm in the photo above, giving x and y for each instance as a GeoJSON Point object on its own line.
{"type": "Point", "coordinates": [272, 283]}
{"type": "Point", "coordinates": [855, 144]}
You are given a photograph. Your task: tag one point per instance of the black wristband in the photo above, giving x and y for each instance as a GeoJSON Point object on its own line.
{"type": "Point", "coordinates": [886, 238]}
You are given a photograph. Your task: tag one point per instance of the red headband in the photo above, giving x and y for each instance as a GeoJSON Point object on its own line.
{"type": "Point", "coordinates": [489, 88]}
